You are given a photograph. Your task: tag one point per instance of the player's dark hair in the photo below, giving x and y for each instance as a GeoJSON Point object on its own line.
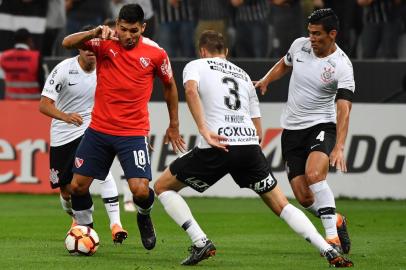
{"type": "Point", "coordinates": [22, 35]}
{"type": "Point", "coordinates": [87, 27]}
{"type": "Point", "coordinates": [131, 13]}
{"type": "Point", "coordinates": [212, 41]}
{"type": "Point", "coordinates": [326, 17]}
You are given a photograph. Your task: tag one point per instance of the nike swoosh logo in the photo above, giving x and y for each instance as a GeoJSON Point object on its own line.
{"type": "Point", "coordinates": [313, 146]}
{"type": "Point", "coordinates": [70, 84]}
{"type": "Point", "coordinates": [298, 60]}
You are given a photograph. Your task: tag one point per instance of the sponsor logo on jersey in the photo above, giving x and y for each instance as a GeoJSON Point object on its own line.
{"type": "Point", "coordinates": [166, 68]}
{"type": "Point", "coordinates": [53, 176]}
{"type": "Point", "coordinates": [327, 75]}
{"type": "Point", "coordinates": [144, 61]}
{"type": "Point", "coordinates": [306, 50]}
{"type": "Point", "coordinates": [73, 71]}
{"type": "Point", "coordinates": [237, 131]}
{"type": "Point", "coordinates": [78, 162]}
{"type": "Point", "coordinates": [113, 52]}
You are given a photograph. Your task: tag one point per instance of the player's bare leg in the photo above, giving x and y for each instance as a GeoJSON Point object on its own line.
{"type": "Point", "coordinates": [143, 197]}
{"type": "Point", "coordinates": [297, 220]}
{"type": "Point", "coordinates": [315, 194]}
{"type": "Point", "coordinates": [82, 204]}
{"type": "Point", "coordinates": [166, 188]}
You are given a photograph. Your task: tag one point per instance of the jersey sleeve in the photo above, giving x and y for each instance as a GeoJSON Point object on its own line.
{"type": "Point", "coordinates": [288, 58]}
{"type": "Point", "coordinates": [191, 73]}
{"type": "Point", "coordinates": [95, 45]}
{"type": "Point", "coordinates": [164, 67]}
{"type": "Point", "coordinates": [54, 83]}
{"type": "Point", "coordinates": [255, 111]}
{"type": "Point", "coordinates": [345, 76]}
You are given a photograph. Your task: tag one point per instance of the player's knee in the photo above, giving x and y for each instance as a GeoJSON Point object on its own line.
{"type": "Point", "coordinates": [159, 187]}
{"type": "Point", "coordinates": [78, 189]}
{"type": "Point", "coordinates": [141, 193]}
{"type": "Point", "coordinates": [313, 176]}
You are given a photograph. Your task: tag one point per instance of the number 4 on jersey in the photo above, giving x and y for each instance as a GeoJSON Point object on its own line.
{"type": "Point", "coordinates": [320, 137]}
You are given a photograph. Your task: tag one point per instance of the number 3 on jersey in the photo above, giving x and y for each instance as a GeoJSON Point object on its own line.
{"type": "Point", "coordinates": [236, 105]}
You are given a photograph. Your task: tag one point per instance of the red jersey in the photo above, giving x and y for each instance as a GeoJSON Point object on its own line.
{"type": "Point", "coordinates": [124, 85]}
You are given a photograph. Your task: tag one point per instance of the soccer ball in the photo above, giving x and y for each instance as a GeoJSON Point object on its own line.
{"type": "Point", "coordinates": [81, 240]}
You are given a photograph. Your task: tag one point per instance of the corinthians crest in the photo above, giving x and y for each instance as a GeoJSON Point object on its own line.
{"type": "Point", "coordinates": [327, 75]}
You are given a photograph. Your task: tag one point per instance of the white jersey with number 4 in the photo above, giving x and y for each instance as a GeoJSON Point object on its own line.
{"type": "Point", "coordinates": [228, 97]}
{"type": "Point", "coordinates": [72, 89]}
{"type": "Point", "coordinates": [313, 85]}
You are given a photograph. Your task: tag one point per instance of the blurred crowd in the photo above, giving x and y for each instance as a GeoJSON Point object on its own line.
{"type": "Point", "coordinates": [254, 28]}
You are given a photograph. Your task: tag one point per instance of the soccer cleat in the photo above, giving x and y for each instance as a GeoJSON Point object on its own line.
{"type": "Point", "coordinates": [118, 234]}
{"type": "Point", "coordinates": [129, 206]}
{"type": "Point", "coordinates": [336, 244]}
{"type": "Point", "coordinates": [147, 231]}
{"type": "Point", "coordinates": [198, 254]}
{"type": "Point", "coordinates": [335, 259]}
{"type": "Point", "coordinates": [343, 233]}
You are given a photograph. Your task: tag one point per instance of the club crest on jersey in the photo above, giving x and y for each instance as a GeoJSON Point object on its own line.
{"type": "Point", "coordinates": [144, 61]}
{"type": "Point", "coordinates": [78, 162]}
{"type": "Point", "coordinates": [53, 176]}
{"type": "Point", "coordinates": [327, 75]}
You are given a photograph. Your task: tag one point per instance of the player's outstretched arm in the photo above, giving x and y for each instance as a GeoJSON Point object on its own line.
{"type": "Point", "coordinates": [275, 73]}
{"type": "Point", "coordinates": [343, 119]}
{"type": "Point", "coordinates": [77, 40]}
{"type": "Point", "coordinates": [172, 132]}
{"type": "Point", "coordinates": [196, 108]}
{"type": "Point", "coordinates": [47, 107]}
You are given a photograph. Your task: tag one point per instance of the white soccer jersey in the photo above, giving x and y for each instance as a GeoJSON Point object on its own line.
{"type": "Point", "coordinates": [228, 97]}
{"type": "Point", "coordinates": [72, 89]}
{"type": "Point", "coordinates": [313, 85]}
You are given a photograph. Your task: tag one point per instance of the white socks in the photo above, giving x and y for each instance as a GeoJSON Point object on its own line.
{"type": "Point", "coordinates": [109, 195]}
{"type": "Point", "coordinates": [179, 211]}
{"type": "Point", "coordinates": [325, 205]}
{"type": "Point", "coordinates": [298, 221]}
{"type": "Point", "coordinates": [66, 205]}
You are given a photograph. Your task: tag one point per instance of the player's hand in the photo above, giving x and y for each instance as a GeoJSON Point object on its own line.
{"type": "Point", "coordinates": [73, 118]}
{"type": "Point", "coordinates": [215, 140]}
{"type": "Point", "coordinates": [262, 85]}
{"type": "Point", "coordinates": [105, 32]}
{"type": "Point", "coordinates": [337, 159]}
{"type": "Point", "coordinates": [172, 135]}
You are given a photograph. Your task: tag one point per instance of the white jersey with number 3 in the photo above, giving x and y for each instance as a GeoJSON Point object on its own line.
{"type": "Point", "coordinates": [72, 89]}
{"type": "Point", "coordinates": [313, 85]}
{"type": "Point", "coordinates": [228, 97]}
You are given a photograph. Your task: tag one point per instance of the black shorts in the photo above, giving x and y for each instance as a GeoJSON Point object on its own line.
{"type": "Point", "coordinates": [61, 161]}
{"type": "Point", "coordinates": [298, 144]}
{"type": "Point", "coordinates": [202, 168]}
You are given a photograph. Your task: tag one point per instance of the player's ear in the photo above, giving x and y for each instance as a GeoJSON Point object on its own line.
{"type": "Point", "coordinates": [144, 25]}
{"type": "Point", "coordinates": [333, 34]}
{"type": "Point", "coordinates": [226, 52]}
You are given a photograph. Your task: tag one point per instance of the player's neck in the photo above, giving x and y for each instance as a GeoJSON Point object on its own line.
{"type": "Point", "coordinates": [328, 51]}
{"type": "Point", "coordinates": [86, 66]}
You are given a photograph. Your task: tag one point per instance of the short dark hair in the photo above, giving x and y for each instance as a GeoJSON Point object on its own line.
{"type": "Point", "coordinates": [22, 35]}
{"type": "Point", "coordinates": [326, 17]}
{"type": "Point", "coordinates": [87, 27]}
{"type": "Point", "coordinates": [212, 41]}
{"type": "Point", "coordinates": [131, 13]}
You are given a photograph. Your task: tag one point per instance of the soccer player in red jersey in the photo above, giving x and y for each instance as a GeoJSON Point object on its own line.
{"type": "Point", "coordinates": [127, 64]}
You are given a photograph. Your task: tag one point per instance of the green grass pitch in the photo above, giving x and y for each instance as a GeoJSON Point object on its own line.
{"type": "Point", "coordinates": [246, 233]}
